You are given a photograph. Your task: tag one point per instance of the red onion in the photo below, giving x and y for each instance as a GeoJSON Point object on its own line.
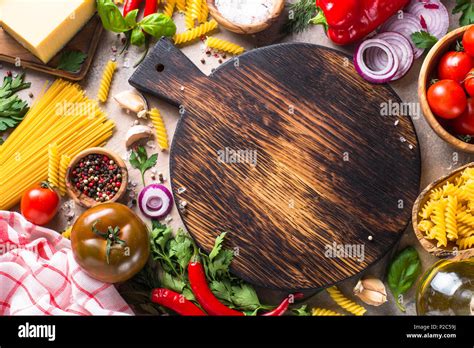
{"type": "Point", "coordinates": [433, 13]}
{"type": "Point", "coordinates": [376, 76]}
{"type": "Point", "coordinates": [404, 25]}
{"type": "Point", "coordinates": [155, 201]}
{"type": "Point", "coordinates": [402, 49]}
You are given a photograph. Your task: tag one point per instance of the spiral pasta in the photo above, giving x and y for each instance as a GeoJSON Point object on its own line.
{"type": "Point", "coordinates": [159, 125]}
{"type": "Point", "coordinates": [195, 9]}
{"type": "Point", "coordinates": [448, 215]}
{"type": "Point", "coordinates": [106, 81]}
{"type": "Point", "coordinates": [63, 164]}
{"type": "Point", "coordinates": [450, 218]}
{"type": "Point", "coordinates": [344, 302]}
{"type": "Point", "coordinates": [169, 8]}
{"type": "Point", "coordinates": [223, 45]}
{"type": "Point", "coordinates": [181, 5]}
{"type": "Point", "coordinates": [204, 14]}
{"type": "Point", "coordinates": [195, 33]}
{"type": "Point", "coordinates": [53, 165]}
{"type": "Point", "coordinates": [466, 243]}
{"type": "Point", "coordinates": [188, 18]}
{"type": "Point", "coordinates": [322, 312]}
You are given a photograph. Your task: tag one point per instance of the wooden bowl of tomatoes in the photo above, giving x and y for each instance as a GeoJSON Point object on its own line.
{"type": "Point", "coordinates": [446, 88]}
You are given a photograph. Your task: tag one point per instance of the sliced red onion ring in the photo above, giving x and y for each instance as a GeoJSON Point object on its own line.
{"type": "Point", "coordinates": [155, 201]}
{"type": "Point", "coordinates": [433, 13]}
{"type": "Point", "coordinates": [375, 76]}
{"type": "Point", "coordinates": [405, 25]}
{"type": "Point", "coordinates": [402, 49]}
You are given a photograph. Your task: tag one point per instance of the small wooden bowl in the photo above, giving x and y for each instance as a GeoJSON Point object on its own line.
{"type": "Point", "coordinates": [246, 28]}
{"type": "Point", "coordinates": [428, 70]}
{"type": "Point", "coordinates": [428, 244]}
{"type": "Point", "coordinates": [84, 200]}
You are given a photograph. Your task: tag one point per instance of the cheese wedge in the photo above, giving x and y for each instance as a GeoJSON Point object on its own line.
{"type": "Point", "coordinates": [45, 26]}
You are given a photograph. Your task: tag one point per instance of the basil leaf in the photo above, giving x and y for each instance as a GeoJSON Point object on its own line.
{"type": "Point", "coordinates": [131, 18]}
{"type": "Point", "coordinates": [158, 25]}
{"type": "Point", "coordinates": [403, 272]}
{"type": "Point", "coordinates": [111, 17]}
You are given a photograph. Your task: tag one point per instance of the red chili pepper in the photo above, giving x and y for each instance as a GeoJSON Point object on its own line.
{"type": "Point", "coordinates": [283, 307]}
{"type": "Point", "coordinates": [351, 20]}
{"type": "Point", "coordinates": [204, 295]}
{"type": "Point", "coordinates": [175, 302]}
{"type": "Point", "coordinates": [150, 7]}
{"type": "Point", "coordinates": [131, 5]}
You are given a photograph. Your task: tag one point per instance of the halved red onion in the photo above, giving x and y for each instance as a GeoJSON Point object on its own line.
{"type": "Point", "coordinates": [405, 25]}
{"type": "Point", "coordinates": [376, 76]}
{"type": "Point", "coordinates": [432, 14]}
{"type": "Point", "coordinates": [402, 49]}
{"type": "Point", "coordinates": [155, 201]}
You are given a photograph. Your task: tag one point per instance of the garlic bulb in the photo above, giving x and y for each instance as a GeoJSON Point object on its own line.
{"type": "Point", "coordinates": [371, 291]}
{"type": "Point", "coordinates": [131, 100]}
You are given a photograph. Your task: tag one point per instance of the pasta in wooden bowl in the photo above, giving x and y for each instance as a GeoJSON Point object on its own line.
{"type": "Point", "coordinates": [443, 215]}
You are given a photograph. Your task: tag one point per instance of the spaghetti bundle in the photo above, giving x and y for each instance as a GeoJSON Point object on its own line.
{"type": "Point", "coordinates": [63, 115]}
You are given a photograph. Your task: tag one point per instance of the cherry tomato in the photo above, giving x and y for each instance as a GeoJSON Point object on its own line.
{"type": "Point", "coordinates": [110, 242]}
{"type": "Point", "coordinates": [454, 66]}
{"type": "Point", "coordinates": [40, 204]}
{"type": "Point", "coordinates": [469, 83]}
{"type": "Point", "coordinates": [468, 41]}
{"type": "Point", "coordinates": [447, 99]}
{"type": "Point", "coordinates": [464, 124]}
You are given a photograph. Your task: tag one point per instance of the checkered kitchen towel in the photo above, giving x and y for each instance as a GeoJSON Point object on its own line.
{"type": "Point", "coordinates": [38, 275]}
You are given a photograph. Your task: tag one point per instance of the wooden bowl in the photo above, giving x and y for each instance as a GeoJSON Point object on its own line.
{"type": "Point", "coordinates": [428, 70]}
{"type": "Point", "coordinates": [84, 200]}
{"type": "Point", "coordinates": [428, 244]}
{"type": "Point", "coordinates": [246, 28]}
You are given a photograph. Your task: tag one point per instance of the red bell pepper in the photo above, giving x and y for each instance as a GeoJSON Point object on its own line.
{"type": "Point", "coordinates": [347, 21]}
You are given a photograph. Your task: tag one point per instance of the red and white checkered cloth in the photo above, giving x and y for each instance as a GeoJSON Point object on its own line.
{"type": "Point", "coordinates": [39, 276]}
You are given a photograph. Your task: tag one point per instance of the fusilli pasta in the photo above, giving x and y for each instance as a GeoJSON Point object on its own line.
{"type": "Point", "coordinates": [181, 5]}
{"type": "Point", "coordinates": [322, 312]}
{"type": "Point", "coordinates": [195, 33]}
{"type": "Point", "coordinates": [204, 14]}
{"type": "Point", "coordinates": [106, 81]}
{"type": "Point", "coordinates": [53, 165]}
{"type": "Point", "coordinates": [169, 8]}
{"type": "Point", "coordinates": [344, 302]}
{"type": "Point", "coordinates": [63, 164]}
{"type": "Point", "coordinates": [223, 45]}
{"type": "Point", "coordinates": [159, 125]}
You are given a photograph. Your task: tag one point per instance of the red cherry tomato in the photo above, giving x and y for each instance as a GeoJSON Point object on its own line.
{"type": "Point", "coordinates": [464, 124]}
{"type": "Point", "coordinates": [447, 99]}
{"type": "Point", "coordinates": [469, 83]}
{"type": "Point", "coordinates": [468, 41]}
{"type": "Point", "coordinates": [40, 204]}
{"type": "Point", "coordinates": [454, 66]}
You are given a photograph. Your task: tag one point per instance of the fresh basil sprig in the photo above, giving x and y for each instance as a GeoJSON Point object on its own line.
{"type": "Point", "coordinates": [403, 273]}
{"type": "Point", "coordinates": [156, 24]}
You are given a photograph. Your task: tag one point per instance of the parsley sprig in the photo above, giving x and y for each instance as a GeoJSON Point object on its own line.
{"type": "Point", "coordinates": [466, 8]}
{"type": "Point", "coordinates": [423, 39]}
{"type": "Point", "coordinates": [12, 108]}
{"type": "Point", "coordinates": [71, 61]}
{"type": "Point", "coordinates": [139, 160]}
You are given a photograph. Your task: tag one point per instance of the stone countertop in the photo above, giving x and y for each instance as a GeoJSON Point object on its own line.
{"type": "Point", "coordinates": [438, 158]}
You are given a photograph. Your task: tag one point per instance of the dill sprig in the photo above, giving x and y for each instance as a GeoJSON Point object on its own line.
{"type": "Point", "coordinates": [300, 14]}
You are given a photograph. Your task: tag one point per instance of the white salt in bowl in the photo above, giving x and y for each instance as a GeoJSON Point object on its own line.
{"type": "Point", "coordinates": [231, 15]}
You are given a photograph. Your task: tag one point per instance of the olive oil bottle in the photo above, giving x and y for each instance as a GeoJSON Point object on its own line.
{"type": "Point", "coordinates": [447, 289]}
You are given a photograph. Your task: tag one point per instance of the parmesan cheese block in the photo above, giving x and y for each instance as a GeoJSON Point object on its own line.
{"type": "Point", "coordinates": [45, 26]}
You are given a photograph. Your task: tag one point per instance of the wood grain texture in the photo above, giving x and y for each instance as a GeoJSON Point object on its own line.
{"type": "Point", "coordinates": [85, 41]}
{"type": "Point", "coordinates": [303, 109]}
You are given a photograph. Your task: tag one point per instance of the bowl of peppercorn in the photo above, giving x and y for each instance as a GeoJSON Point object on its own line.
{"type": "Point", "coordinates": [95, 176]}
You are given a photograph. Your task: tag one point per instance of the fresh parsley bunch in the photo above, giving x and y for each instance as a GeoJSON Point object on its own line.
{"type": "Point", "coordinates": [173, 253]}
{"type": "Point", "coordinates": [12, 108]}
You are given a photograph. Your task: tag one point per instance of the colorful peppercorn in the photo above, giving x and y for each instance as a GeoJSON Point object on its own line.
{"type": "Point", "coordinates": [97, 176]}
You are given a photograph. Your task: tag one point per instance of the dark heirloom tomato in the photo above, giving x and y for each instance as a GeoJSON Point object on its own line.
{"type": "Point", "coordinates": [110, 242]}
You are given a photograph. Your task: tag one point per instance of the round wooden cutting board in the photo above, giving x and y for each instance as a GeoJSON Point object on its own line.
{"type": "Point", "coordinates": [292, 153]}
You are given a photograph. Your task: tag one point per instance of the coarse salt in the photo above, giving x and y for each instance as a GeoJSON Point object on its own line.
{"type": "Point", "coordinates": [245, 11]}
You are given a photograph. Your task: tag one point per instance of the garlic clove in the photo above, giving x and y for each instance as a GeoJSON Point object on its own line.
{"type": "Point", "coordinates": [137, 133]}
{"type": "Point", "coordinates": [131, 100]}
{"type": "Point", "coordinates": [371, 291]}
